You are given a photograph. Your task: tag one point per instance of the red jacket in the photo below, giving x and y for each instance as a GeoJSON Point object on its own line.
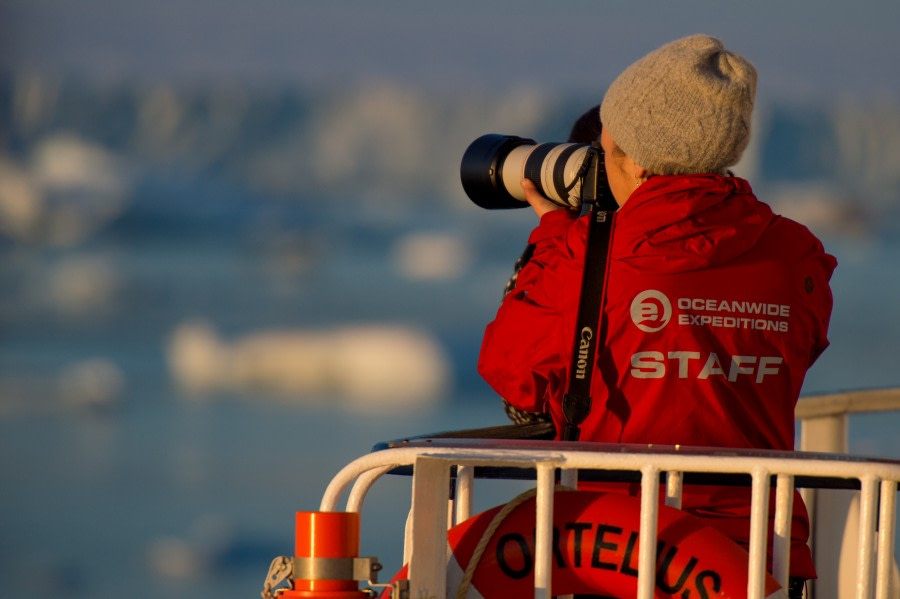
{"type": "Point", "coordinates": [715, 309]}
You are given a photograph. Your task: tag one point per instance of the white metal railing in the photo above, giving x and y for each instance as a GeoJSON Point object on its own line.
{"type": "Point", "coordinates": [824, 425]}
{"type": "Point", "coordinates": [848, 402]}
{"type": "Point", "coordinates": [433, 459]}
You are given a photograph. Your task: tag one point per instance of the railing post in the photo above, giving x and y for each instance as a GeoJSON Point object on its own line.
{"type": "Point", "coordinates": [867, 523]}
{"type": "Point", "coordinates": [543, 543]}
{"type": "Point", "coordinates": [428, 556]}
{"type": "Point", "coordinates": [887, 526]}
{"type": "Point", "coordinates": [759, 523]}
{"type": "Point", "coordinates": [568, 477]}
{"type": "Point", "coordinates": [781, 540]}
{"type": "Point", "coordinates": [648, 532]}
{"type": "Point", "coordinates": [465, 476]}
{"type": "Point", "coordinates": [835, 565]}
{"type": "Point", "coordinates": [674, 488]}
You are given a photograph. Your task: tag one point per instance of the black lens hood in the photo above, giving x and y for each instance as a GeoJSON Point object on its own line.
{"type": "Point", "coordinates": [482, 167]}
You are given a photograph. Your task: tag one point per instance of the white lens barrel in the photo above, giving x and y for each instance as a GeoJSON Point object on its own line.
{"type": "Point", "coordinates": [552, 167]}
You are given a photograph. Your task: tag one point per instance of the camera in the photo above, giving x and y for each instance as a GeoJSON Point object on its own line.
{"type": "Point", "coordinates": [568, 174]}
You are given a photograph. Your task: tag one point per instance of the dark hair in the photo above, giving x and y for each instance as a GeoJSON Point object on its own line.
{"type": "Point", "coordinates": [587, 128]}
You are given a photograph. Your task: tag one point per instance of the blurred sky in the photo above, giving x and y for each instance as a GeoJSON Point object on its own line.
{"type": "Point", "coordinates": [804, 49]}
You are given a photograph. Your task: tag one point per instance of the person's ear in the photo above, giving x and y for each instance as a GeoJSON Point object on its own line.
{"type": "Point", "coordinates": [638, 172]}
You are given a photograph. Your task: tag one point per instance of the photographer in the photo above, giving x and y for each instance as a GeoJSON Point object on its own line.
{"type": "Point", "coordinates": [715, 307]}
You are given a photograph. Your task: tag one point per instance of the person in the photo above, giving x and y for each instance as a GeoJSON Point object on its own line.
{"type": "Point", "coordinates": [715, 307]}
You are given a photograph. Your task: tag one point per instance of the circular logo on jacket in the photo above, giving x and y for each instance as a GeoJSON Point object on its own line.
{"type": "Point", "coordinates": [651, 310]}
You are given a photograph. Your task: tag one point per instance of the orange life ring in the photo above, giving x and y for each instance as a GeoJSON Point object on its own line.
{"type": "Point", "coordinates": [595, 551]}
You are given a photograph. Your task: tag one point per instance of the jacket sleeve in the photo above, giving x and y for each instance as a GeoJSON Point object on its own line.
{"type": "Point", "coordinates": [524, 353]}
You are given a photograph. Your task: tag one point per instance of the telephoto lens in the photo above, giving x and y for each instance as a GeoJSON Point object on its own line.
{"type": "Point", "coordinates": [494, 165]}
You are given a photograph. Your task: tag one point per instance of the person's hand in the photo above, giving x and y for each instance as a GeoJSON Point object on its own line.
{"type": "Point", "coordinates": [539, 203]}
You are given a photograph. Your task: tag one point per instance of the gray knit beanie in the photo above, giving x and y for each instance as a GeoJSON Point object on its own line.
{"type": "Point", "coordinates": [684, 108]}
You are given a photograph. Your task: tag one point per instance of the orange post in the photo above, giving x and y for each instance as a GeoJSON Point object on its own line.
{"type": "Point", "coordinates": [325, 535]}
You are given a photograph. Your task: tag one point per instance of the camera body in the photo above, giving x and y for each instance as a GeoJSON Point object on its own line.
{"type": "Point", "coordinates": [568, 174]}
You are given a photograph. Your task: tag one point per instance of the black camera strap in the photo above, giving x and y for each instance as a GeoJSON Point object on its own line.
{"type": "Point", "coordinates": [589, 329]}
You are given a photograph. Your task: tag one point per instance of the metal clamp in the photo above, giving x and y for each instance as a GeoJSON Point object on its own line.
{"type": "Point", "coordinates": [336, 568]}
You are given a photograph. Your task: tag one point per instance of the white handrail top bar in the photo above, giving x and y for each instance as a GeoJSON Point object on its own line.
{"type": "Point", "coordinates": [850, 402]}
{"type": "Point", "coordinates": [602, 456]}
